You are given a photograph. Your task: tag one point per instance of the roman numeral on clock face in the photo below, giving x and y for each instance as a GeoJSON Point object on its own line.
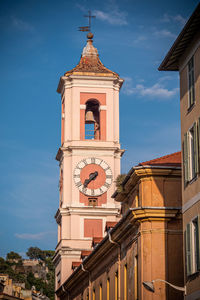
{"type": "Point", "coordinates": [108, 176]}
{"type": "Point", "coordinates": [84, 161]}
{"type": "Point", "coordinates": [93, 160]}
{"type": "Point", "coordinates": [79, 184]}
{"type": "Point", "coordinates": [106, 185]}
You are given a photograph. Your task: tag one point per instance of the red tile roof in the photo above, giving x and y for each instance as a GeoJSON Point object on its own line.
{"type": "Point", "coordinates": [172, 160]}
{"type": "Point", "coordinates": [76, 264]}
{"type": "Point", "coordinates": [90, 62]}
{"type": "Point", "coordinates": [85, 253]}
{"type": "Point", "coordinates": [96, 240]}
{"type": "Point", "coordinates": [109, 225]}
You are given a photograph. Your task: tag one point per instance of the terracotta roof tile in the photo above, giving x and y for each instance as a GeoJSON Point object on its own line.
{"type": "Point", "coordinates": [76, 264]}
{"type": "Point", "coordinates": [90, 63]}
{"type": "Point", "coordinates": [173, 160]}
{"type": "Point", "coordinates": [96, 240]}
{"type": "Point", "coordinates": [109, 225]}
{"type": "Point", "coordinates": [85, 253]}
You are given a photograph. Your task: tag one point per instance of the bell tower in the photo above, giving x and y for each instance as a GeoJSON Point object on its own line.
{"type": "Point", "coordinates": [89, 157]}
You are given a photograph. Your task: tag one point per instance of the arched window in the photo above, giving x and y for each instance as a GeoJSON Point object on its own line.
{"type": "Point", "coordinates": [92, 124]}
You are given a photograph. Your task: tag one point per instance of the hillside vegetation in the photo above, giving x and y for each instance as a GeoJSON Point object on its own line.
{"type": "Point", "coordinates": [40, 275]}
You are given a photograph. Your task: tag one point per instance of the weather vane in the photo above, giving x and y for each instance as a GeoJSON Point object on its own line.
{"type": "Point", "coordinates": [87, 28]}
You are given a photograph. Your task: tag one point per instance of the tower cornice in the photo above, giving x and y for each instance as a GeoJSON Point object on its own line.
{"type": "Point", "coordinates": [97, 147]}
{"type": "Point", "coordinates": [87, 80]}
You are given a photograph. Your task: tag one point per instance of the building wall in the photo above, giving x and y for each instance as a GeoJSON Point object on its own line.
{"type": "Point", "coordinates": [190, 191]}
{"type": "Point", "coordinates": [146, 245]}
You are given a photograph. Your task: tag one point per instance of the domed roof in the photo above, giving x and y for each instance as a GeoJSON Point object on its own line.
{"type": "Point", "coordinates": [90, 63]}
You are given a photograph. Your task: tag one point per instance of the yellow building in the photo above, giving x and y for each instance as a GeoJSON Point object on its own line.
{"type": "Point", "coordinates": [145, 245]}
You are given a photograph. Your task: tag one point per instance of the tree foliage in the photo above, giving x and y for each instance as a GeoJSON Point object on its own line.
{"type": "Point", "coordinates": [120, 178]}
{"type": "Point", "coordinates": [13, 255]}
{"type": "Point", "coordinates": [35, 253]}
{"type": "Point", "coordinates": [16, 271]}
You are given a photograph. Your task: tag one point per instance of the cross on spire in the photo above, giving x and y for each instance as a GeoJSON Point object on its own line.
{"type": "Point", "coordinates": [89, 18]}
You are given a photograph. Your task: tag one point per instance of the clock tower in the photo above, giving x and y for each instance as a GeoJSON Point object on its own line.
{"type": "Point", "coordinates": [89, 157]}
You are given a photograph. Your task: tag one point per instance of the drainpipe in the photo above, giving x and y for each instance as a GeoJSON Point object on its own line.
{"type": "Point", "coordinates": [84, 270]}
{"type": "Point", "coordinates": [119, 265]}
{"type": "Point", "coordinates": [65, 291]}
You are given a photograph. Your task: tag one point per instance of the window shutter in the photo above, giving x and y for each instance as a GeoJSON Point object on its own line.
{"type": "Point", "coordinates": [188, 249]}
{"type": "Point", "coordinates": [196, 162]}
{"type": "Point", "coordinates": [198, 139]}
{"type": "Point", "coordinates": [198, 244]}
{"type": "Point", "coordinates": [185, 158]}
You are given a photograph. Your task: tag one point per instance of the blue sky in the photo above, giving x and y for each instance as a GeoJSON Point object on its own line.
{"type": "Point", "coordinates": [39, 42]}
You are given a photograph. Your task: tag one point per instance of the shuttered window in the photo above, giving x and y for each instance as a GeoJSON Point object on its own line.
{"type": "Point", "coordinates": [192, 246]}
{"type": "Point", "coordinates": [191, 87]}
{"type": "Point", "coordinates": [191, 152]}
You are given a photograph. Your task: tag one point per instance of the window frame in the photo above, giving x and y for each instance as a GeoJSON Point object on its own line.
{"type": "Point", "coordinates": [192, 246]}
{"type": "Point", "coordinates": [191, 153]}
{"type": "Point", "coordinates": [191, 83]}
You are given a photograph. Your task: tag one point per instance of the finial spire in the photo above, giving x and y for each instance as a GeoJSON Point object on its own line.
{"type": "Point", "coordinates": [89, 18]}
{"type": "Point", "coordinates": [88, 28]}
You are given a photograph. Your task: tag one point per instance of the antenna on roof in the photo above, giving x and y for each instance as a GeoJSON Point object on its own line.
{"type": "Point", "coordinates": [87, 28]}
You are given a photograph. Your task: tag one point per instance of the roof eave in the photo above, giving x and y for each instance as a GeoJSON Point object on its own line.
{"type": "Point", "coordinates": [171, 60]}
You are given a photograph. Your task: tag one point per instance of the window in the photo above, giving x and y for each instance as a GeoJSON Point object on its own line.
{"type": "Point", "coordinates": [191, 89]}
{"type": "Point", "coordinates": [192, 246]}
{"type": "Point", "coordinates": [100, 291]}
{"type": "Point", "coordinates": [58, 277]}
{"type": "Point", "coordinates": [136, 278]}
{"type": "Point", "coordinates": [92, 202]}
{"type": "Point", "coordinates": [93, 294]}
{"type": "Point", "coordinates": [116, 285]}
{"type": "Point", "coordinates": [108, 289]}
{"type": "Point", "coordinates": [89, 131]}
{"type": "Point", "coordinates": [191, 152]}
{"type": "Point", "coordinates": [92, 118]}
{"type": "Point", "coordinates": [125, 282]}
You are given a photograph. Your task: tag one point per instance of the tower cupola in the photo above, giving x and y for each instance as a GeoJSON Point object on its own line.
{"type": "Point", "coordinates": [90, 63]}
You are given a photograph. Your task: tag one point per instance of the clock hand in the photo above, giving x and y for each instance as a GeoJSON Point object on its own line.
{"type": "Point", "coordinates": [92, 176]}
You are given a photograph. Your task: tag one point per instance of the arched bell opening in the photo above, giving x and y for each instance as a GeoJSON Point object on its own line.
{"type": "Point", "coordinates": [92, 120]}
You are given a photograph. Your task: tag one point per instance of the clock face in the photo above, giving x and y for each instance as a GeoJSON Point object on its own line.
{"type": "Point", "coordinates": [92, 176]}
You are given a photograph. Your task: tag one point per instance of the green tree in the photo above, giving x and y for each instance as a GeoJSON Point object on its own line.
{"type": "Point", "coordinates": [13, 255]}
{"type": "Point", "coordinates": [35, 253]}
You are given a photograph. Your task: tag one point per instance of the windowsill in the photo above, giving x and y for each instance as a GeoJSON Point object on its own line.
{"type": "Point", "coordinates": [193, 276]}
{"type": "Point", "coordinates": [191, 181]}
{"type": "Point", "coordinates": [191, 107]}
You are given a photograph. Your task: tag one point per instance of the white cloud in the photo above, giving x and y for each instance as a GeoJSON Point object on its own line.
{"type": "Point", "coordinates": [114, 17]}
{"type": "Point", "coordinates": [21, 25]}
{"type": "Point", "coordinates": [139, 39]}
{"type": "Point", "coordinates": [111, 14]}
{"type": "Point", "coordinates": [34, 236]}
{"type": "Point", "coordinates": [164, 33]}
{"type": "Point", "coordinates": [157, 90]}
{"type": "Point", "coordinates": [180, 19]}
{"type": "Point", "coordinates": [177, 18]}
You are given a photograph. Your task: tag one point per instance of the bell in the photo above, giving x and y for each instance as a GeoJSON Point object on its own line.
{"type": "Point", "coordinates": [89, 117]}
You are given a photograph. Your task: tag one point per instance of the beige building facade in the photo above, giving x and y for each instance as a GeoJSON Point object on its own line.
{"type": "Point", "coordinates": [184, 56]}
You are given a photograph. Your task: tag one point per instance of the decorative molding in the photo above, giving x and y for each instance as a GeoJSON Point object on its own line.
{"type": "Point", "coordinates": [103, 107]}
{"type": "Point", "coordinates": [191, 202]}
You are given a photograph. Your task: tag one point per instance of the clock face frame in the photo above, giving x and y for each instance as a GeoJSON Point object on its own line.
{"type": "Point", "coordinates": [100, 164]}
